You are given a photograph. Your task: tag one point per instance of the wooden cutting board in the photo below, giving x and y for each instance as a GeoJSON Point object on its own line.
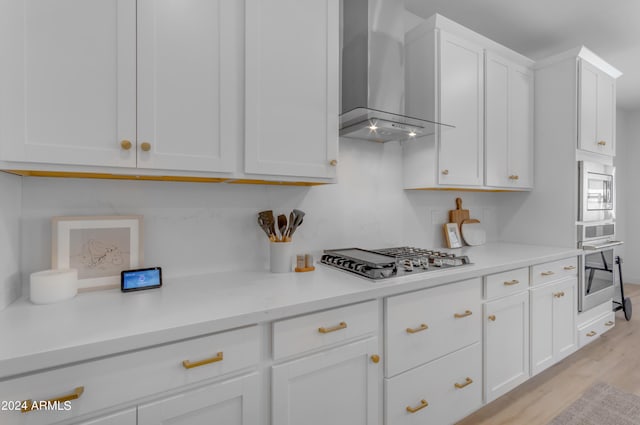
{"type": "Point", "coordinates": [458, 215]}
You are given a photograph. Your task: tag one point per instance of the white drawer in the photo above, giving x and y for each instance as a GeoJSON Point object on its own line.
{"type": "Point", "coordinates": [592, 330]}
{"type": "Point", "coordinates": [122, 378]}
{"type": "Point", "coordinates": [547, 272]}
{"type": "Point", "coordinates": [322, 329]}
{"type": "Point", "coordinates": [506, 283]}
{"type": "Point", "coordinates": [451, 388]}
{"type": "Point", "coordinates": [424, 325]}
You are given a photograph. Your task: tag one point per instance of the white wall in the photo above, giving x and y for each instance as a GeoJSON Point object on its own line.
{"type": "Point", "coordinates": [628, 201]}
{"type": "Point", "coordinates": [10, 210]}
{"type": "Point", "coordinates": [192, 228]}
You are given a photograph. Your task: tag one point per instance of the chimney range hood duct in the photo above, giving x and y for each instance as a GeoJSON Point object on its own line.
{"type": "Point", "coordinates": [373, 74]}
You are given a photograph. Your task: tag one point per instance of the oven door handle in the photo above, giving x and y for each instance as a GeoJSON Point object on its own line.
{"type": "Point", "coordinates": [601, 246]}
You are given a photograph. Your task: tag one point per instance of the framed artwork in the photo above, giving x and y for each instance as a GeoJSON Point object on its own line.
{"type": "Point", "coordinates": [452, 235]}
{"type": "Point", "coordinates": [99, 247]}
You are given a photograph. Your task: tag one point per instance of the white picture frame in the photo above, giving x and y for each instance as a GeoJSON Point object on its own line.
{"type": "Point", "coordinates": [452, 235]}
{"type": "Point", "coordinates": [99, 247]}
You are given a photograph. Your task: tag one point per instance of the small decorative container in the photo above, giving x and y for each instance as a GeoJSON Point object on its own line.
{"type": "Point", "coordinates": [280, 256]}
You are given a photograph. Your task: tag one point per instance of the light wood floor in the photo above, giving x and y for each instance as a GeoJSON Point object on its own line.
{"type": "Point", "coordinates": [614, 359]}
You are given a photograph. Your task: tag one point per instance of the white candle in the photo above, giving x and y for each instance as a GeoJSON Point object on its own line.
{"type": "Point", "coordinates": [50, 286]}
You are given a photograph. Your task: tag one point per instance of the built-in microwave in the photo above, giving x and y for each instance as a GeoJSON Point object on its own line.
{"type": "Point", "coordinates": [597, 192]}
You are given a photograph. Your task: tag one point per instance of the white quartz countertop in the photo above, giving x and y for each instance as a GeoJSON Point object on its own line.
{"type": "Point", "coordinates": [96, 324]}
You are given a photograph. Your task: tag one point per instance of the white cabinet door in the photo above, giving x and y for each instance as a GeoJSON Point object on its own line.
{"type": "Point", "coordinates": [291, 122]}
{"type": "Point", "coordinates": [509, 123]}
{"type": "Point", "coordinates": [554, 333]}
{"type": "Point", "coordinates": [461, 71]}
{"type": "Point", "coordinates": [233, 402]}
{"type": "Point", "coordinates": [565, 313]}
{"type": "Point", "coordinates": [68, 81]}
{"type": "Point", "coordinates": [126, 417]}
{"type": "Point", "coordinates": [189, 84]}
{"type": "Point", "coordinates": [338, 386]}
{"type": "Point", "coordinates": [542, 326]}
{"type": "Point", "coordinates": [506, 345]}
{"type": "Point", "coordinates": [596, 110]}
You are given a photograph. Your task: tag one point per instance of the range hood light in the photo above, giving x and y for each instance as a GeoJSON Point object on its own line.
{"type": "Point", "coordinates": [373, 127]}
{"type": "Point", "coordinates": [412, 133]}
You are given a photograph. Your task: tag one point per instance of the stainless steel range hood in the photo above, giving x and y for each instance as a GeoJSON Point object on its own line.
{"type": "Point", "coordinates": [373, 74]}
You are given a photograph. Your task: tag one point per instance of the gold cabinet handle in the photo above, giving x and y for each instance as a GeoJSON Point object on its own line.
{"type": "Point", "coordinates": [333, 162]}
{"type": "Point", "coordinates": [514, 177]}
{"type": "Point", "coordinates": [145, 146]}
{"type": "Point", "coordinates": [569, 267]}
{"type": "Point", "coordinates": [559, 294]}
{"type": "Point", "coordinates": [467, 381]}
{"type": "Point", "coordinates": [492, 317]}
{"type": "Point", "coordinates": [125, 145]}
{"type": "Point", "coordinates": [602, 143]}
{"type": "Point", "coordinates": [461, 315]}
{"type": "Point", "coordinates": [423, 404]}
{"type": "Point", "coordinates": [217, 358]}
{"type": "Point", "coordinates": [592, 333]}
{"type": "Point", "coordinates": [609, 323]}
{"type": "Point", "coordinates": [445, 172]}
{"type": "Point", "coordinates": [511, 282]}
{"type": "Point", "coordinates": [77, 392]}
{"type": "Point", "coordinates": [375, 358]}
{"type": "Point", "coordinates": [341, 325]}
{"type": "Point", "coordinates": [549, 273]}
{"type": "Point", "coordinates": [422, 327]}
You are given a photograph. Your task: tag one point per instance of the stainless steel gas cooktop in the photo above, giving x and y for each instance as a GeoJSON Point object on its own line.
{"type": "Point", "coordinates": [391, 262]}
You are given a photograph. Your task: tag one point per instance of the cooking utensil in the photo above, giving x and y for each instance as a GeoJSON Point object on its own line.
{"type": "Point", "coordinates": [297, 221]}
{"type": "Point", "coordinates": [458, 215]}
{"type": "Point", "coordinates": [473, 232]}
{"type": "Point", "coordinates": [265, 218]}
{"type": "Point", "coordinates": [282, 226]}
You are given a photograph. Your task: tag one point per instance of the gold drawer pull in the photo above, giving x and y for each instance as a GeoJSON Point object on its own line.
{"type": "Point", "coordinates": [549, 273]}
{"type": "Point", "coordinates": [514, 177]}
{"type": "Point", "coordinates": [559, 294]}
{"type": "Point", "coordinates": [342, 325]}
{"type": "Point", "coordinates": [492, 317]}
{"type": "Point", "coordinates": [375, 358]}
{"type": "Point", "coordinates": [423, 404]}
{"type": "Point", "coordinates": [512, 282]}
{"type": "Point", "coordinates": [609, 323]}
{"type": "Point", "coordinates": [465, 314]}
{"type": "Point", "coordinates": [217, 358]}
{"type": "Point", "coordinates": [29, 404]}
{"type": "Point", "coordinates": [125, 145]}
{"type": "Point", "coordinates": [445, 172]}
{"type": "Point", "coordinates": [592, 333]}
{"type": "Point", "coordinates": [333, 162]}
{"type": "Point", "coordinates": [569, 267]}
{"type": "Point", "coordinates": [467, 381]}
{"type": "Point", "coordinates": [602, 143]}
{"type": "Point", "coordinates": [422, 327]}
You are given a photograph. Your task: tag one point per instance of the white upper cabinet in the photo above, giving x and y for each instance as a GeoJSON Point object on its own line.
{"type": "Point", "coordinates": [68, 81]}
{"type": "Point", "coordinates": [460, 150]}
{"type": "Point", "coordinates": [509, 123]}
{"type": "Point", "coordinates": [291, 121]}
{"type": "Point", "coordinates": [189, 84]}
{"type": "Point", "coordinates": [489, 102]}
{"type": "Point", "coordinates": [596, 109]}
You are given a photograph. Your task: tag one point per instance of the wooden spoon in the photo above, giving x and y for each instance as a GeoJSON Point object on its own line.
{"type": "Point", "coordinates": [282, 226]}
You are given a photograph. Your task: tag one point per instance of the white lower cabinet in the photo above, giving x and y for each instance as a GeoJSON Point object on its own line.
{"type": "Point", "coordinates": [440, 392]}
{"type": "Point", "coordinates": [506, 350]}
{"type": "Point", "coordinates": [553, 323]}
{"type": "Point", "coordinates": [126, 417]}
{"type": "Point", "coordinates": [338, 386]}
{"type": "Point", "coordinates": [232, 402]}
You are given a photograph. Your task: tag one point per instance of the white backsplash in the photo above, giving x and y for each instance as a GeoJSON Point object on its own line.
{"type": "Point", "coordinates": [10, 209]}
{"type": "Point", "coordinates": [193, 228]}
